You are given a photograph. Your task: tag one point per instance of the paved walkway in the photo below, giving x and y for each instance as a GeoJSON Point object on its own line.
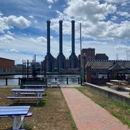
{"type": "Point", "coordinates": [88, 115]}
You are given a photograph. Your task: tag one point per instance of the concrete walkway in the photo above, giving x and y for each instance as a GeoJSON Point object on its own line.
{"type": "Point", "coordinates": [88, 115]}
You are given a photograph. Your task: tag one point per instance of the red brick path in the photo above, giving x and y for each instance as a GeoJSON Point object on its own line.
{"type": "Point", "coordinates": [88, 115]}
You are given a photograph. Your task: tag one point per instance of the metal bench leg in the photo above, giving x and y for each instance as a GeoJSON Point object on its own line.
{"type": "Point", "coordinates": [16, 124]}
{"type": "Point", "coordinates": [37, 102]}
{"type": "Point", "coordinates": [12, 101]}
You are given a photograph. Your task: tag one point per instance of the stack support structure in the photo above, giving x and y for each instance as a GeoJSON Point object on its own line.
{"type": "Point", "coordinates": [73, 64]}
{"type": "Point", "coordinates": [60, 45]}
{"type": "Point", "coordinates": [48, 63]}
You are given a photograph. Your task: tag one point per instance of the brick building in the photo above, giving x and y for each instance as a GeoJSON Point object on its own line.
{"type": "Point", "coordinates": [101, 57]}
{"type": "Point", "coordinates": [6, 65]}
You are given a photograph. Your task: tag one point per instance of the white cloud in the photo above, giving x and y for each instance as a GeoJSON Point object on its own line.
{"type": "Point", "coordinates": [10, 33]}
{"type": "Point", "coordinates": [116, 1]}
{"type": "Point", "coordinates": [50, 1]}
{"type": "Point", "coordinates": [88, 10]}
{"type": "Point", "coordinates": [3, 25]}
{"type": "Point", "coordinates": [41, 39]}
{"type": "Point", "coordinates": [13, 50]}
{"type": "Point", "coordinates": [19, 22]}
{"type": "Point", "coordinates": [93, 17]}
{"type": "Point", "coordinates": [8, 22]}
{"type": "Point", "coordinates": [31, 16]}
{"type": "Point", "coordinates": [126, 14]}
{"type": "Point", "coordinates": [6, 38]}
{"type": "Point", "coordinates": [114, 18]}
{"type": "Point", "coordinates": [120, 47]}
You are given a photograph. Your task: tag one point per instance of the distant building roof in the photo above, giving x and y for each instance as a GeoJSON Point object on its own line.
{"type": "Point", "coordinates": [108, 64]}
{"type": "Point", "coordinates": [116, 67]}
{"type": "Point", "coordinates": [101, 56]}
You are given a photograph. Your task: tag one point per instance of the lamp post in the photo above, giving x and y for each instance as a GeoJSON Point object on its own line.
{"type": "Point", "coordinates": [45, 69]}
{"type": "Point", "coordinates": [80, 55]}
{"type": "Point", "coordinates": [27, 68]}
{"type": "Point", "coordinates": [84, 56]}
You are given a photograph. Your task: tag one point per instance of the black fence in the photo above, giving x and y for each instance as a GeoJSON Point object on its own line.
{"type": "Point", "coordinates": [17, 81]}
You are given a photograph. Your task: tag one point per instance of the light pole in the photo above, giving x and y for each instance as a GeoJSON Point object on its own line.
{"type": "Point", "coordinates": [84, 56]}
{"type": "Point", "coordinates": [80, 56]}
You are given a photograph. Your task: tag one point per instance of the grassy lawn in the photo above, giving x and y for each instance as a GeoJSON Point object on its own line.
{"type": "Point", "coordinates": [51, 114]}
{"type": "Point", "coordinates": [119, 110]}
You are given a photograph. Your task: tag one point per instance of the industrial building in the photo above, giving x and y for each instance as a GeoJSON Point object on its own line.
{"type": "Point", "coordinates": [6, 65]}
{"type": "Point", "coordinates": [61, 63]}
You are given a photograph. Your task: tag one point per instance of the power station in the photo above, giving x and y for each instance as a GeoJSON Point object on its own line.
{"type": "Point", "coordinates": [61, 64]}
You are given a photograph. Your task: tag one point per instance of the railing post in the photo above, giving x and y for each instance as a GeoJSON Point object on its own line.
{"type": "Point", "coordinates": [55, 78]}
{"type": "Point", "coordinates": [78, 80]}
{"type": "Point", "coordinates": [19, 81]}
{"type": "Point", "coordinates": [81, 81]}
{"type": "Point", "coordinates": [67, 80]}
{"type": "Point", "coordinates": [6, 81]}
{"type": "Point", "coordinates": [46, 82]}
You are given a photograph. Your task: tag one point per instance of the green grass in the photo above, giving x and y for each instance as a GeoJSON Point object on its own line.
{"type": "Point", "coordinates": [42, 103]}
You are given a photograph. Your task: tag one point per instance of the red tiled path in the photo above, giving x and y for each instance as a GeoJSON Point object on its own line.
{"type": "Point", "coordinates": [88, 115]}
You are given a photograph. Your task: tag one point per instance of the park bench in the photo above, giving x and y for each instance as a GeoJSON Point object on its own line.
{"type": "Point", "coordinates": [14, 112]}
{"type": "Point", "coordinates": [34, 86]}
{"type": "Point", "coordinates": [54, 83]}
{"type": "Point", "coordinates": [33, 83]}
{"type": "Point", "coordinates": [25, 98]}
{"type": "Point", "coordinates": [26, 94]}
{"type": "Point", "coordinates": [109, 84]}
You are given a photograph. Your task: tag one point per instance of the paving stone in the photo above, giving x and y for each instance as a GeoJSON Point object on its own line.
{"type": "Point", "coordinates": [88, 115]}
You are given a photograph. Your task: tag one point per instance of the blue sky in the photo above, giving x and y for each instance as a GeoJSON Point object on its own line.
{"type": "Point", "coordinates": [105, 27]}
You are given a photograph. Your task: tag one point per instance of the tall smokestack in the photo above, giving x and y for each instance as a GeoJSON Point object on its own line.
{"type": "Point", "coordinates": [48, 62]}
{"type": "Point", "coordinates": [60, 46]}
{"type": "Point", "coordinates": [73, 61]}
{"type": "Point", "coordinates": [60, 36]}
{"type": "Point", "coordinates": [73, 36]}
{"type": "Point", "coordinates": [48, 36]}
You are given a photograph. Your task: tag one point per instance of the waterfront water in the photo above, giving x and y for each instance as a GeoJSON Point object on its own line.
{"type": "Point", "coordinates": [72, 79]}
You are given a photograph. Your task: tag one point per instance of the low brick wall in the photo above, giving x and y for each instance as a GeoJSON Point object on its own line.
{"type": "Point", "coordinates": [99, 81]}
{"type": "Point", "coordinates": [110, 94]}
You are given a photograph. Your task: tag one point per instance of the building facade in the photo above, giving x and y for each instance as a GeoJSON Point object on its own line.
{"type": "Point", "coordinates": [7, 65]}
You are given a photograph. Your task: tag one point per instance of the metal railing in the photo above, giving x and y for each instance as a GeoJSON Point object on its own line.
{"type": "Point", "coordinates": [17, 81]}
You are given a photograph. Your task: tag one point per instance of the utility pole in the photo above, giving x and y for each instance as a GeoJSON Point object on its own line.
{"type": "Point", "coordinates": [81, 55]}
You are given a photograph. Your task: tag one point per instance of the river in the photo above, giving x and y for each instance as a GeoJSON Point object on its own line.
{"type": "Point", "coordinates": [72, 79]}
